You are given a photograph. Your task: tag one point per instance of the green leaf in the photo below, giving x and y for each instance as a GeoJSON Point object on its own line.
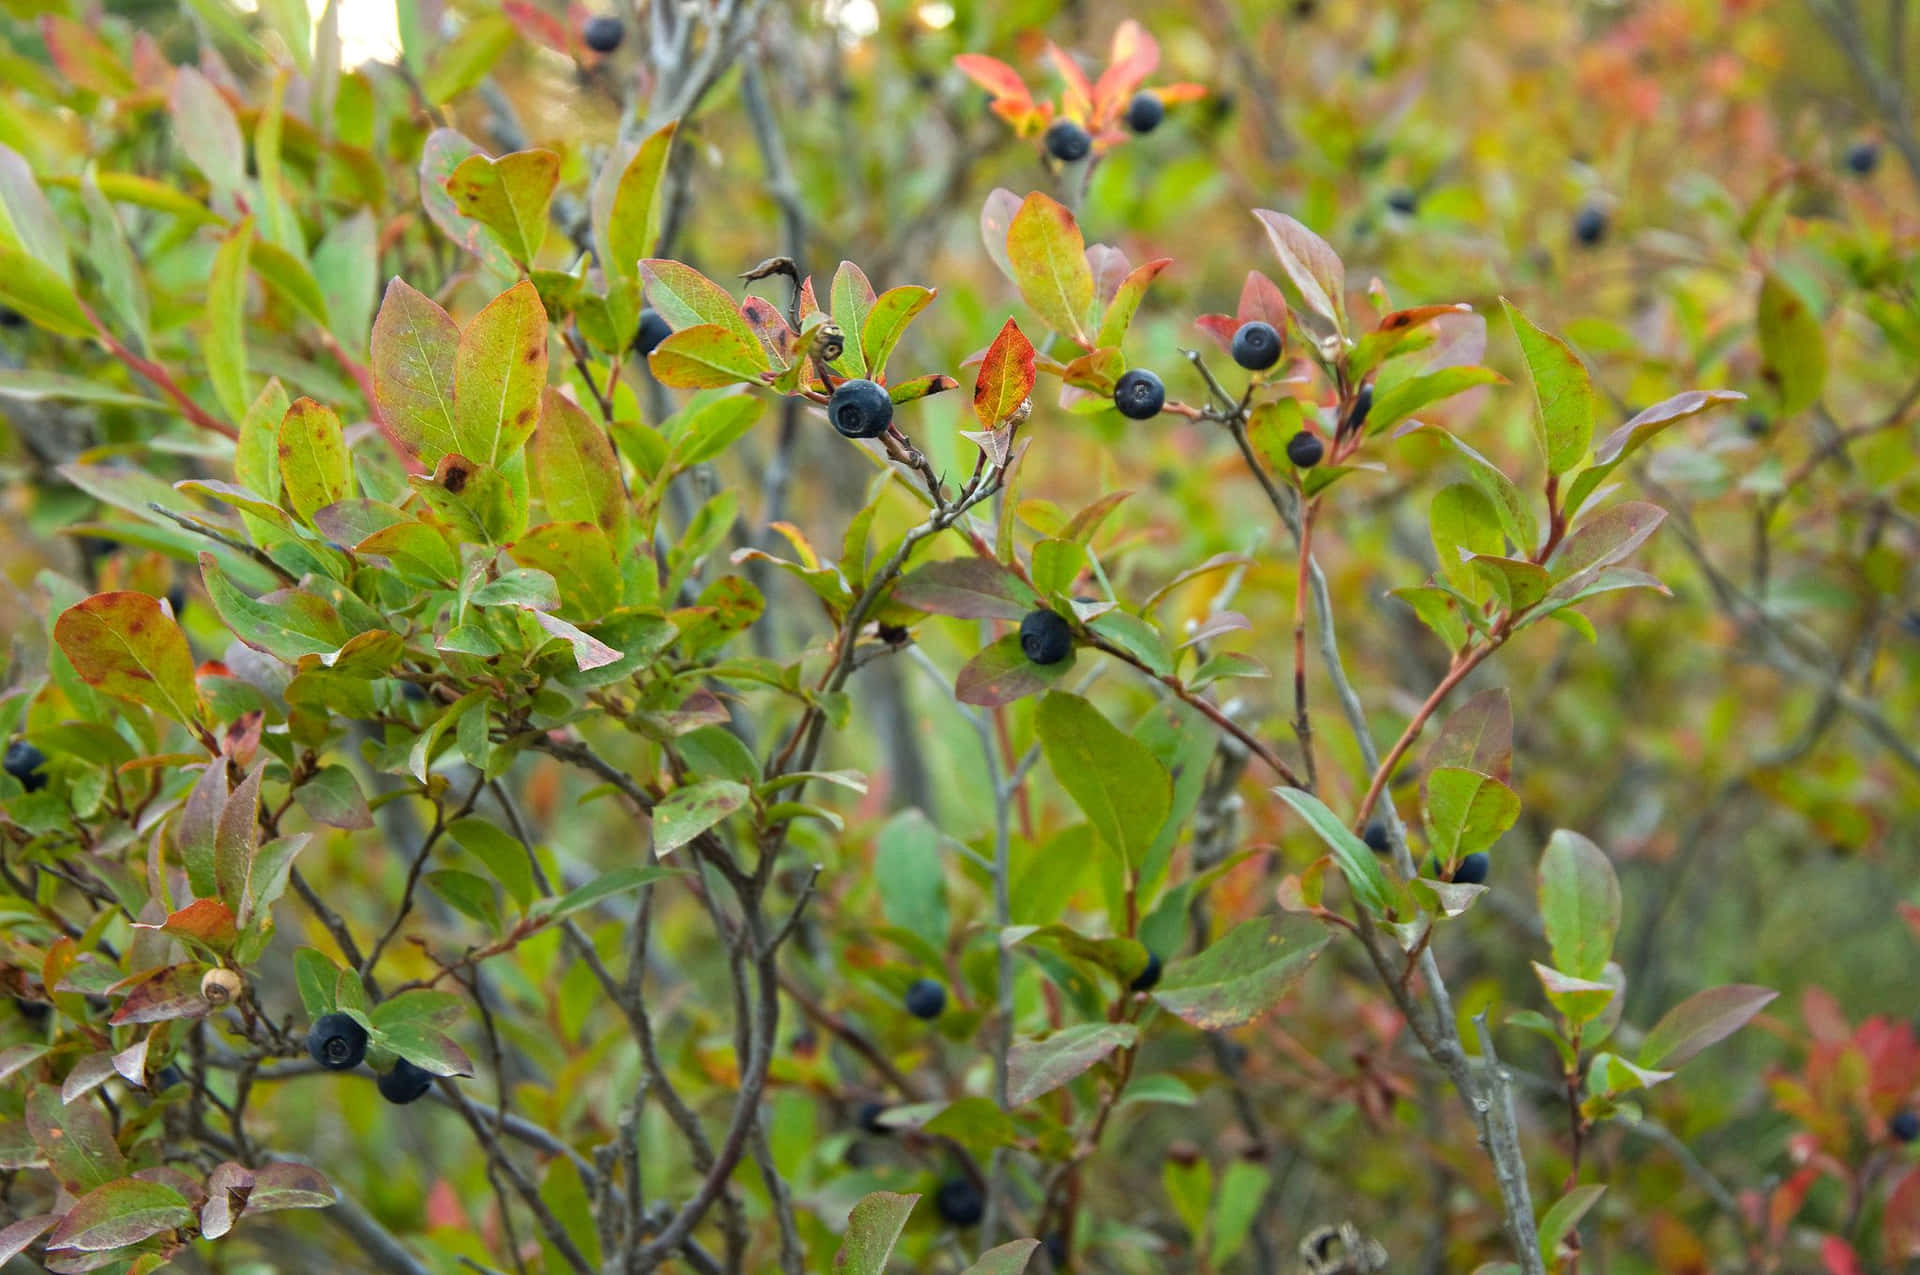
{"type": "Point", "coordinates": [27, 220]}
{"type": "Point", "coordinates": [1118, 316]}
{"type": "Point", "coordinates": [30, 385]}
{"type": "Point", "coordinates": [602, 887]}
{"type": "Point", "coordinates": [1793, 348]}
{"type": "Point", "coordinates": [313, 461]}
{"type": "Point", "coordinates": [332, 796]}
{"type": "Point", "coordinates": [37, 293]}
{"type": "Point", "coordinates": [1048, 258]}
{"type": "Point", "coordinates": [347, 266]}
{"type": "Point", "coordinates": [1008, 1259]}
{"type": "Point", "coordinates": [1464, 523]}
{"type": "Point", "coordinates": [206, 130]}
{"type": "Point", "coordinates": [1311, 265]}
{"type": "Point", "coordinates": [126, 645]}
{"type": "Point", "coordinates": [445, 150]}
{"type": "Point", "coordinates": [471, 895]}
{"type": "Point", "coordinates": [226, 343]}
{"type": "Point", "coordinates": [1005, 378]}
{"type": "Point", "coordinates": [1579, 904]}
{"type": "Point", "coordinates": [1396, 398]}
{"type": "Point", "coordinates": [626, 204]}
{"type": "Point", "coordinates": [685, 298]}
{"type": "Point", "coordinates": [1137, 637]}
{"type": "Point", "coordinates": [687, 812]}
{"type": "Point", "coordinates": [887, 322]}
{"type": "Point", "coordinates": [1037, 1067]}
{"type": "Point", "coordinates": [120, 1214]}
{"type": "Point", "coordinates": [1602, 540]}
{"type": "Point", "coordinates": [968, 588]}
{"type": "Point", "coordinates": [1438, 610]}
{"type": "Point", "coordinates": [415, 343]}
{"type": "Point", "coordinates": [907, 859]}
{"type": "Point", "coordinates": [500, 371]}
{"type": "Point", "coordinates": [76, 1140]}
{"type": "Point", "coordinates": [1115, 779]}
{"type": "Point", "coordinates": [711, 427]}
{"type": "Point", "coordinates": [852, 298]}
{"type": "Point", "coordinates": [580, 561]}
{"type": "Point", "coordinates": [975, 1123]}
{"type": "Point", "coordinates": [873, 1227]}
{"type": "Point", "coordinates": [468, 57]}
{"type": "Point", "coordinates": [420, 1006]}
{"type": "Point", "coordinates": [1562, 392]}
{"type": "Point", "coordinates": [427, 1048]}
{"type": "Point", "coordinates": [1242, 1191]}
{"type": "Point", "coordinates": [121, 280]}
{"type": "Point", "coordinates": [1516, 513]}
{"type": "Point", "coordinates": [1478, 735]}
{"type": "Point", "coordinates": [1357, 863]}
{"type": "Point", "coordinates": [509, 196]}
{"type": "Point", "coordinates": [1579, 1000]}
{"type": "Point", "coordinates": [1609, 1075]}
{"type": "Point", "coordinates": [504, 856]}
{"type": "Point", "coordinates": [1703, 1019]}
{"type": "Point", "coordinates": [481, 503]}
{"type": "Point", "coordinates": [1001, 673]}
{"type": "Point", "coordinates": [574, 469]}
{"type": "Point", "coordinates": [706, 356]}
{"type": "Point", "coordinates": [1564, 1216]}
{"type": "Point", "coordinates": [1517, 583]}
{"type": "Point", "coordinates": [1635, 434]}
{"type": "Point", "coordinates": [256, 456]}
{"type": "Point", "coordinates": [287, 624]}
{"type": "Point", "coordinates": [1244, 973]}
{"type": "Point", "coordinates": [1467, 811]}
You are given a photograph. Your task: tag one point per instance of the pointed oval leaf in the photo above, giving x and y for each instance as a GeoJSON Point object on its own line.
{"type": "Point", "coordinates": [415, 344]}
{"type": "Point", "coordinates": [1115, 779]}
{"type": "Point", "coordinates": [1036, 1067]}
{"type": "Point", "coordinates": [1703, 1019]}
{"type": "Point", "coordinates": [127, 645]}
{"type": "Point", "coordinates": [1006, 376]}
{"type": "Point", "coordinates": [1244, 973]}
{"type": "Point", "coordinates": [500, 371]}
{"type": "Point", "coordinates": [1579, 904]}
{"type": "Point", "coordinates": [1357, 863]}
{"type": "Point", "coordinates": [1048, 259]}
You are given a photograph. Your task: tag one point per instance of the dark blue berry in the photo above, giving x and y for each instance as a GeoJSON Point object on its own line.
{"type": "Point", "coordinates": [1590, 224]}
{"type": "Point", "coordinates": [1472, 870]}
{"type": "Point", "coordinates": [926, 999]}
{"type": "Point", "coordinates": [405, 1083]}
{"type": "Point", "coordinates": [1068, 142]}
{"type": "Point", "coordinates": [1148, 978]}
{"type": "Point", "coordinates": [1905, 1125]}
{"type": "Point", "coordinates": [1403, 201]}
{"type": "Point", "coordinates": [1305, 449]}
{"type": "Point", "coordinates": [337, 1042]}
{"type": "Point", "coordinates": [1139, 395]}
{"type": "Point", "coordinates": [860, 409]}
{"type": "Point", "coordinates": [1863, 158]}
{"type": "Point", "coordinates": [1377, 838]}
{"type": "Point", "coordinates": [652, 331]}
{"type": "Point", "coordinates": [603, 33]}
{"type": "Point", "coordinates": [1256, 346]}
{"type": "Point", "coordinates": [1045, 638]}
{"type": "Point", "coordinates": [868, 1118]}
{"type": "Point", "coordinates": [1359, 409]}
{"type": "Point", "coordinates": [23, 761]}
{"type": "Point", "coordinates": [959, 1202]}
{"type": "Point", "coordinates": [1145, 112]}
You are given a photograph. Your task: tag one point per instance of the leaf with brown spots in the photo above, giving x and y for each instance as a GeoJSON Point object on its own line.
{"type": "Point", "coordinates": [314, 466]}
{"type": "Point", "coordinates": [1006, 376]}
{"type": "Point", "coordinates": [509, 196]}
{"type": "Point", "coordinates": [574, 470]}
{"type": "Point", "coordinates": [1244, 974]}
{"type": "Point", "coordinates": [499, 372]}
{"type": "Point", "coordinates": [414, 346]}
{"type": "Point", "coordinates": [126, 645]}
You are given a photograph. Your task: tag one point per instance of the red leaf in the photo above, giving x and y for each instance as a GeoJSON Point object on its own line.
{"type": "Point", "coordinates": [539, 26]}
{"type": "Point", "coordinates": [1261, 298]}
{"type": "Point", "coordinates": [1006, 376]}
{"type": "Point", "coordinates": [996, 77]}
{"type": "Point", "coordinates": [1838, 1257]}
{"type": "Point", "coordinates": [1220, 327]}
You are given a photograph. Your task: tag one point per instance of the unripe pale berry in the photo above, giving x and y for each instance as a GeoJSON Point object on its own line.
{"type": "Point", "coordinates": [1045, 638]}
{"type": "Point", "coordinates": [1256, 346]}
{"type": "Point", "coordinates": [926, 999]}
{"type": "Point", "coordinates": [1305, 449]}
{"type": "Point", "coordinates": [220, 987]}
{"type": "Point", "coordinates": [860, 409]}
{"type": "Point", "coordinates": [1068, 142]}
{"type": "Point", "coordinates": [337, 1042]}
{"type": "Point", "coordinates": [1139, 395]}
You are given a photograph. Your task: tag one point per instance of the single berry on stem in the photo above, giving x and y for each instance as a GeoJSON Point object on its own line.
{"type": "Point", "coordinates": [926, 999]}
{"type": "Point", "coordinates": [1045, 637]}
{"type": "Point", "coordinates": [959, 1202]}
{"type": "Point", "coordinates": [1472, 870]}
{"type": "Point", "coordinates": [603, 33]}
{"type": "Point", "coordinates": [1905, 1125]}
{"type": "Point", "coordinates": [1305, 449]}
{"type": "Point", "coordinates": [1403, 201]}
{"type": "Point", "coordinates": [860, 409]}
{"type": "Point", "coordinates": [868, 1119]}
{"type": "Point", "coordinates": [653, 329]}
{"type": "Point", "coordinates": [23, 762]}
{"type": "Point", "coordinates": [1863, 158]}
{"type": "Point", "coordinates": [1149, 978]}
{"type": "Point", "coordinates": [1376, 837]}
{"type": "Point", "coordinates": [1590, 224]}
{"type": "Point", "coordinates": [1145, 112]}
{"type": "Point", "coordinates": [337, 1042]}
{"type": "Point", "coordinates": [1256, 346]}
{"type": "Point", "coordinates": [405, 1083]}
{"type": "Point", "coordinates": [1139, 395]}
{"type": "Point", "coordinates": [1068, 142]}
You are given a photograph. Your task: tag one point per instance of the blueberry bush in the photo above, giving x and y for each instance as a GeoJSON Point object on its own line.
{"type": "Point", "coordinates": [732, 637]}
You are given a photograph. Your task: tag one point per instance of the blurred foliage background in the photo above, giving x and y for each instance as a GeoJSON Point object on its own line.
{"type": "Point", "coordinates": [1746, 749]}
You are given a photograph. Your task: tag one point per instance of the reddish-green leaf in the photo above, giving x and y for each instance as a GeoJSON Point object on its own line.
{"type": "Point", "coordinates": [509, 196]}
{"type": "Point", "coordinates": [1478, 735]}
{"type": "Point", "coordinates": [579, 558]}
{"type": "Point", "coordinates": [852, 303]}
{"type": "Point", "coordinates": [445, 150]}
{"type": "Point", "coordinates": [415, 343]}
{"type": "Point", "coordinates": [1002, 673]}
{"type": "Point", "coordinates": [1703, 1019]}
{"type": "Point", "coordinates": [1036, 1067]}
{"type": "Point", "coordinates": [127, 645]}
{"type": "Point", "coordinates": [1636, 433]}
{"type": "Point", "coordinates": [206, 130]}
{"type": "Point", "coordinates": [500, 370]}
{"type": "Point", "coordinates": [1312, 266]}
{"type": "Point", "coordinates": [1244, 973]}
{"type": "Point", "coordinates": [686, 298]}
{"type": "Point", "coordinates": [705, 356]}
{"type": "Point", "coordinates": [207, 921]}
{"type": "Point", "coordinates": [226, 343]}
{"type": "Point", "coordinates": [688, 812]}
{"type": "Point", "coordinates": [1563, 393]}
{"type": "Point", "coordinates": [1118, 316]}
{"type": "Point", "coordinates": [1604, 539]}
{"type": "Point", "coordinates": [313, 461]}
{"type": "Point", "coordinates": [1048, 258]}
{"type": "Point", "coordinates": [574, 468]}
{"type": "Point", "coordinates": [968, 588]}
{"type": "Point", "coordinates": [119, 1214]}
{"type": "Point", "coordinates": [1006, 376]}
{"type": "Point", "coordinates": [76, 1140]}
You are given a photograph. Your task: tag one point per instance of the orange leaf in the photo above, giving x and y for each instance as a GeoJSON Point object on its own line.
{"type": "Point", "coordinates": [1078, 102]}
{"type": "Point", "coordinates": [1006, 376]}
{"type": "Point", "coordinates": [996, 77]}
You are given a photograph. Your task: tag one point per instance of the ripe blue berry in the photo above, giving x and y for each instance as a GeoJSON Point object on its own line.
{"type": "Point", "coordinates": [868, 1118]}
{"type": "Point", "coordinates": [1376, 837]}
{"type": "Point", "coordinates": [959, 1202]}
{"type": "Point", "coordinates": [651, 332]}
{"type": "Point", "coordinates": [1149, 977]}
{"type": "Point", "coordinates": [1256, 346]}
{"type": "Point", "coordinates": [860, 409]}
{"type": "Point", "coordinates": [11, 318]}
{"type": "Point", "coordinates": [603, 33]}
{"type": "Point", "coordinates": [405, 1083]}
{"type": "Point", "coordinates": [1590, 224]}
{"type": "Point", "coordinates": [1403, 201]}
{"type": "Point", "coordinates": [1472, 870]}
{"type": "Point", "coordinates": [1905, 1125]}
{"type": "Point", "coordinates": [1139, 395]}
{"type": "Point", "coordinates": [337, 1042]}
{"type": "Point", "coordinates": [1863, 158]}
{"type": "Point", "coordinates": [1145, 112]}
{"type": "Point", "coordinates": [926, 999]}
{"type": "Point", "coordinates": [1305, 449]}
{"type": "Point", "coordinates": [1068, 142]}
{"type": "Point", "coordinates": [1045, 638]}
{"type": "Point", "coordinates": [23, 761]}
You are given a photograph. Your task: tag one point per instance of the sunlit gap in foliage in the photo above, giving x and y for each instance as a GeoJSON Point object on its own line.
{"type": "Point", "coordinates": [369, 31]}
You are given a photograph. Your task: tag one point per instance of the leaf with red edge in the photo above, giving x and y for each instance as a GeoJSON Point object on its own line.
{"type": "Point", "coordinates": [207, 921]}
{"type": "Point", "coordinates": [706, 356]}
{"type": "Point", "coordinates": [968, 588]}
{"type": "Point", "coordinates": [84, 58]}
{"type": "Point", "coordinates": [414, 346]}
{"type": "Point", "coordinates": [1220, 327]}
{"type": "Point", "coordinates": [921, 387]}
{"type": "Point", "coordinates": [1077, 101]}
{"type": "Point", "coordinates": [1006, 376]}
{"type": "Point", "coordinates": [445, 150]}
{"type": "Point", "coordinates": [15, 1238]}
{"type": "Point", "coordinates": [1261, 299]}
{"type": "Point", "coordinates": [127, 645]}
{"type": "Point", "coordinates": [1311, 265]}
{"type": "Point", "coordinates": [539, 26]}
{"type": "Point", "coordinates": [169, 994]}
{"type": "Point", "coordinates": [1703, 1019]}
{"type": "Point", "coordinates": [1900, 1224]}
{"type": "Point", "coordinates": [500, 369]}
{"type": "Point", "coordinates": [995, 76]}
{"type": "Point", "coordinates": [509, 196]}
{"type": "Point", "coordinates": [996, 220]}
{"type": "Point", "coordinates": [684, 298]}
{"type": "Point", "coordinates": [1134, 56]}
{"type": "Point", "coordinates": [1048, 258]}
{"type": "Point", "coordinates": [119, 1214]}
{"type": "Point", "coordinates": [1125, 302]}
